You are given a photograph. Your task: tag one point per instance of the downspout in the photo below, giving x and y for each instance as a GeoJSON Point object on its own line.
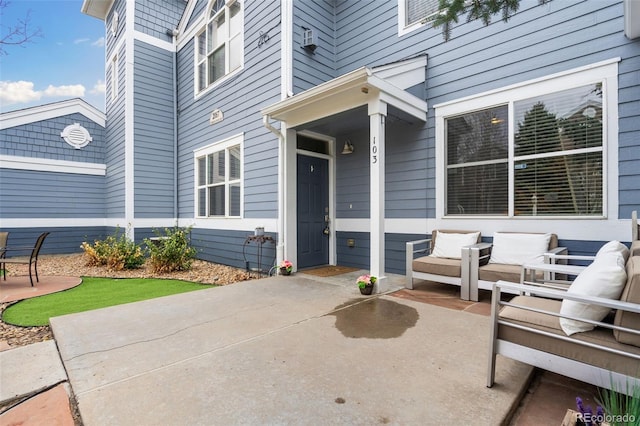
{"type": "Point", "coordinates": [281, 180]}
{"type": "Point", "coordinates": [174, 34]}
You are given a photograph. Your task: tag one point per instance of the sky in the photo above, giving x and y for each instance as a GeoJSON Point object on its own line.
{"type": "Point", "coordinates": [66, 62]}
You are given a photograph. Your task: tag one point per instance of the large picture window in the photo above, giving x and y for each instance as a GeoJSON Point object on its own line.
{"type": "Point", "coordinates": [542, 155]}
{"type": "Point", "coordinates": [219, 179]}
{"type": "Point", "coordinates": [219, 46]}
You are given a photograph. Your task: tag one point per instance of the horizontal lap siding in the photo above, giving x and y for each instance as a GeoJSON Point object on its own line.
{"type": "Point", "coordinates": [240, 98]}
{"type": "Point", "coordinates": [115, 151]}
{"type": "Point", "coordinates": [31, 194]}
{"type": "Point", "coordinates": [60, 240]}
{"type": "Point", "coordinates": [311, 69]}
{"type": "Point", "coordinates": [153, 132]}
{"type": "Point", "coordinates": [228, 248]}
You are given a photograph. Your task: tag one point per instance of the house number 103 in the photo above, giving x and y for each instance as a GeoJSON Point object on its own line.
{"type": "Point", "coordinates": [374, 152]}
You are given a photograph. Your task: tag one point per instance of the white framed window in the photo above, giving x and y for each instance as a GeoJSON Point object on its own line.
{"type": "Point", "coordinates": [538, 149]}
{"type": "Point", "coordinates": [113, 93]}
{"type": "Point", "coordinates": [218, 179]}
{"type": "Point", "coordinates": [413, 14]}
{"type": "Point", "coordinates": [219, 46]}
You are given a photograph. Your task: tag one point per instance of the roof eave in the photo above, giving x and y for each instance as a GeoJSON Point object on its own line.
{"type": "Point", "coordinates": [97, 8]}
{"type": "Point", "coordinates": [343, 93]}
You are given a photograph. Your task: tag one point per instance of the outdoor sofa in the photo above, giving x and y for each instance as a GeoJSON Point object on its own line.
{"type": "Point", "coordinates": [502, 259]}
{"type": "Point", "coordinates": [537, 330]}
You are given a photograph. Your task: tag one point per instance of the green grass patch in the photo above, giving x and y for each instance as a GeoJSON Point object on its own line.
{"type": "Point", "coordinates": [93, 293]}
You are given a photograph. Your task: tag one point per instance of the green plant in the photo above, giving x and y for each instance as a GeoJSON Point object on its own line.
{"type": "Point", "coordinates": [366, 280]}
{"type": "Point", "coordinates": [116, 252]}
{"type": "Point", "coordinates": [171, 251]}
{"type": "Point", "coordinates": [620, 408]}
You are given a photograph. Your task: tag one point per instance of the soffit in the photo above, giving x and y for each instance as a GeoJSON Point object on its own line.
{"type": "Point", "coordinates": [97, 8]}
{"type": "Point", "coordinates": [363, 86]}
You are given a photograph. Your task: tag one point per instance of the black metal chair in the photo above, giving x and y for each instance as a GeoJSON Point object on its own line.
{"type": "Point", "coordinates": [4, 236]}
{"type": "Point", "coordinates": [33, 259]}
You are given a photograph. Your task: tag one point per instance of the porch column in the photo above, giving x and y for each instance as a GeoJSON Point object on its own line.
{"type": "Point", "coordinates": [377, 115]}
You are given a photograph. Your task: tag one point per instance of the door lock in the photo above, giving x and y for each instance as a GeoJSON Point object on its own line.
{"type": "Point", "coordinates": [326, 230]}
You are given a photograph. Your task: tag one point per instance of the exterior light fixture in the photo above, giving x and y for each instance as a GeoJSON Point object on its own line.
{"type": "Point", "coordinates": [348, 147]}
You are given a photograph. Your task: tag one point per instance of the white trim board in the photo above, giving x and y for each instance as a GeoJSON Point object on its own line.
{"type": "Point", "coordinates": [53, 166]}
{"type": "Point", "coordinates": [53, 110]}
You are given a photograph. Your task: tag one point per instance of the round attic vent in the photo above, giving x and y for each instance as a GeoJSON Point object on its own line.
{"type": "Point", "coordinates": [76, 136]}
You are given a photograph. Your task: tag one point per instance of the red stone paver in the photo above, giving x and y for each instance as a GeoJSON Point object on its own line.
{"type": "Point", "coordinates": [18, 288]}
{"type": "Point", "coordinates": [48, 408]}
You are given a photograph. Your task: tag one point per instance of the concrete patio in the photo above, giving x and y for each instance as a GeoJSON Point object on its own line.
{"type": "Point", "coordinates": [284, 350]}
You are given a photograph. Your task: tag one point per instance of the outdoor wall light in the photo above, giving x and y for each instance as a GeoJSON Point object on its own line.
{"type": "Point", "coordinates": [348, 147]}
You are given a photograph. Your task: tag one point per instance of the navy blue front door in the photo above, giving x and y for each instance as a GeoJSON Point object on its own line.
{"type": "Point", "coordinates": [313, 211]}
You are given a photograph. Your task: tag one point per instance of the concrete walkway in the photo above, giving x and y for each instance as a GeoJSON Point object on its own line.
{"type": "Point", "coordinates": [284, 350]}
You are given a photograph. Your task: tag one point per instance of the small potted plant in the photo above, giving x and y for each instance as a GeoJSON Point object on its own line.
{"type": "Point", "coordinates": [286, 267]}
{"type": "Point", "coordinates": [365, 284]}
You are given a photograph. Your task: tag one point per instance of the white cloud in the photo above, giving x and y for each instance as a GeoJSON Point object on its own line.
{"type": "Point", "coordinates": [75, 90]}
{"type": "Point", "coordinates": [99, 42]}
{"type": "Point", "coordinates": [98, 88]}
{"type": "Point", "coordinates": [20, 92]}
{"type": "Point", "coordinates": [80, 40]}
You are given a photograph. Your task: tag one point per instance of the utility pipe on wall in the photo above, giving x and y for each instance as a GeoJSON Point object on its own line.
{"type": "Point", "coordinates": [281, 180]}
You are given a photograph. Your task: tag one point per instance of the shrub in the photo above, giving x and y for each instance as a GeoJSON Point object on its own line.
{"type": "Point", "coordinates": [171, 251]}
{"type": "Point", "coordinates": [116, 252]}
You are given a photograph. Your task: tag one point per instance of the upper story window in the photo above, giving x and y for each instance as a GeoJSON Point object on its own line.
{"type": "Point", "coordinates": [219, 46]}
{"type": "Point", "coordinates": [219, 179]}
{"type": "Point", "coordinates": [541, 153]}
{"type": "Point", "coordinates": [414, 13]}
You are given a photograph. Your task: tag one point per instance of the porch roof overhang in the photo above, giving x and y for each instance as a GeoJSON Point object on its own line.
{"type": "Point", "coordinates": [363, 86]}
{"type": "Point", "coordinates": [97, 8]}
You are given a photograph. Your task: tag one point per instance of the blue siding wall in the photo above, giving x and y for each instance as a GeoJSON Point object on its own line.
{"type": "Point", "coordinates": [115, 136]}
{"type": "Point", "coordinates": [32, 194]}
{"type": "Point", "coordinates": [59, 241]}
{"type": "Point", "coordinates": [155, 17]}
{"type": "Point", "coordinates": [228, 248]}
{"type": "Point", "coordinates": [313, 68]}
{"type": "Point", "coordinates": [112, 40]}
{"type": "Point", "coordinates": [240, 98]}
{"type": "Point", "coordinates": [153, 132]}
{"type": "Point", "coordinates": [42, 139]}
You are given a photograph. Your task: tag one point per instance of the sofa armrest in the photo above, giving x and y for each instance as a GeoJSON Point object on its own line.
{"type": "Point", "coordinates": [552, 257]}
{"type": "Point", "coordinates": [550, 293]}
{"type": "Point", "coordinates": [411, 251]}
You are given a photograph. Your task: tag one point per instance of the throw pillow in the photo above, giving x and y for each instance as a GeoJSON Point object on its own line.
{"type": "Point", "coordinates": [450, 244]}
{"type": "Point", "coordinates": [605, 277]}
{"type": "Point", "coordinates": [517, 249]}
{"type": "Point", "coordinates": [614, 247]}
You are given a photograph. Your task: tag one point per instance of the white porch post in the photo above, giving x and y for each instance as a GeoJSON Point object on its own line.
{"type": "Point", "coordinates": [377, 115]}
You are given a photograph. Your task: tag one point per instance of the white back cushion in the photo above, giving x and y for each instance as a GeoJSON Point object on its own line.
{"type": "Point", "coordinates": [450, 244]}
{"type": "Point", "coordinates": [605, 277]}
{"type": "Point", "coordinates": [516, 249]}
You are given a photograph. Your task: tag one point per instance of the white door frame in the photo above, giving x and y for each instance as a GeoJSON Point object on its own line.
{"type": "Point", "coordinates": [290, 190]}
